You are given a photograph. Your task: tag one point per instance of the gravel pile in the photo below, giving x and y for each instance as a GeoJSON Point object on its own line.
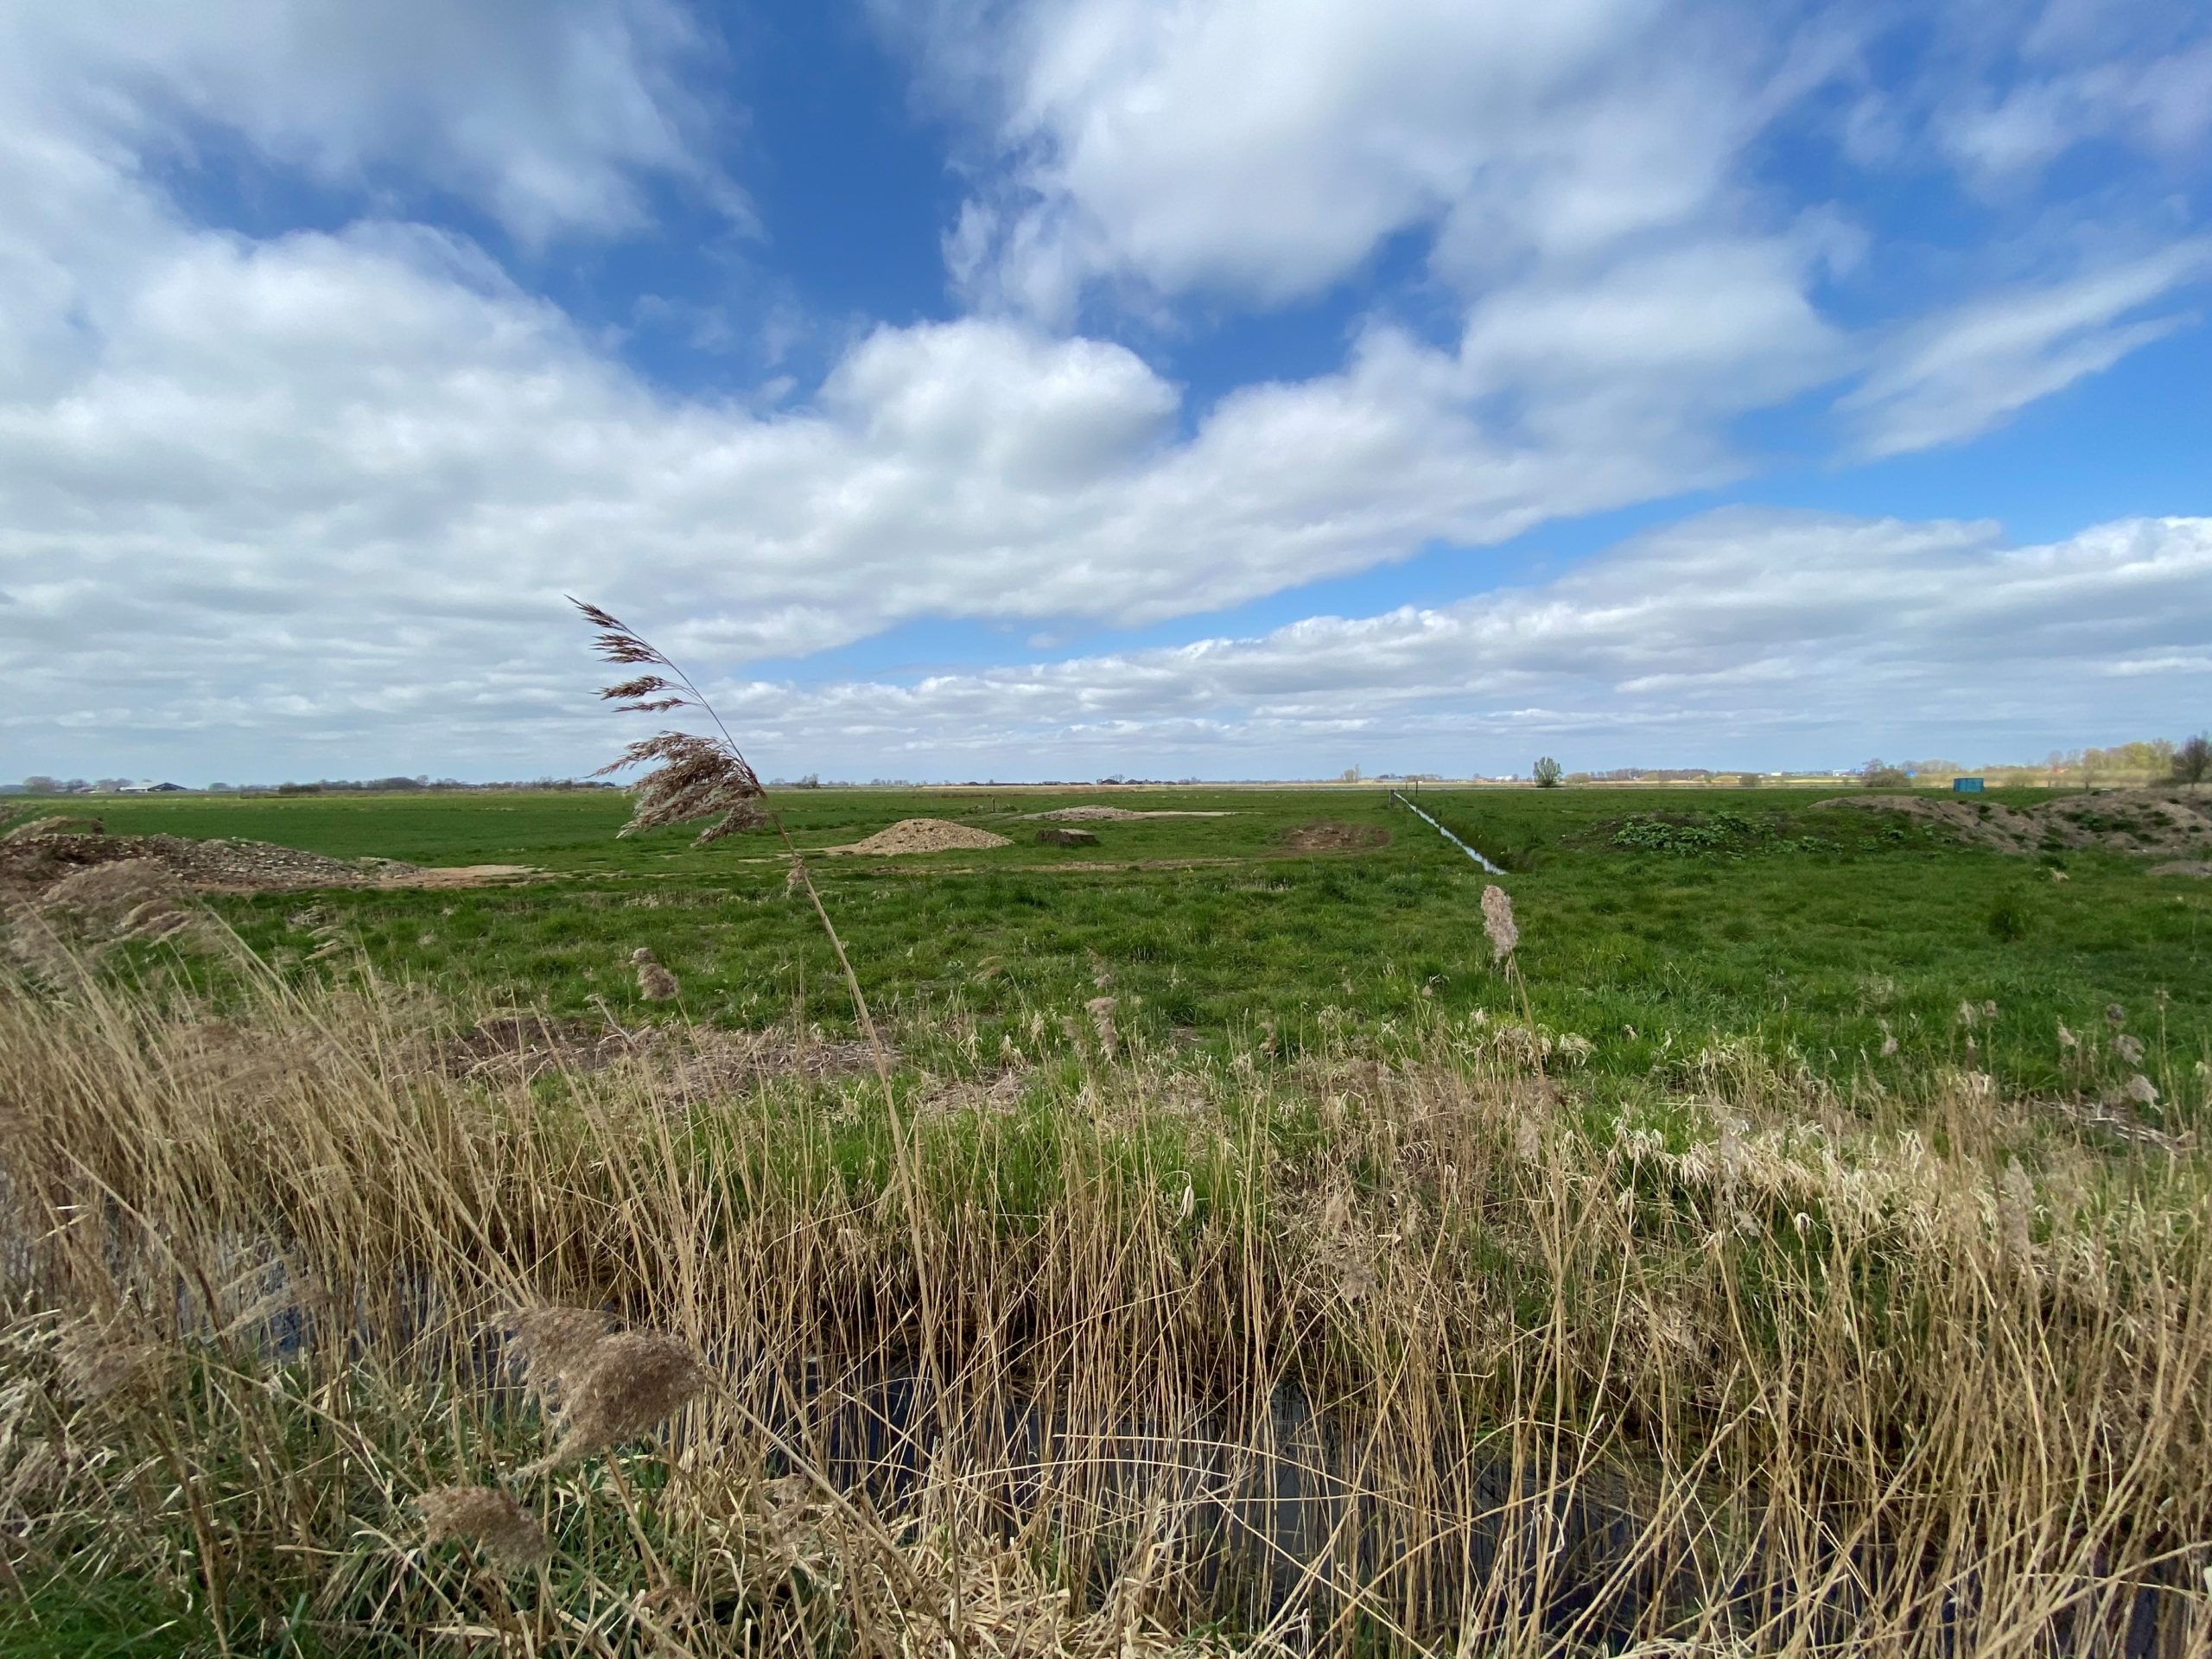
{"type": "Point", "coordinates": [39, 862]}
{"type": "Point", "coordinates": [1115, 814]}
{"type": "Point", "coordinates": [925, 835]}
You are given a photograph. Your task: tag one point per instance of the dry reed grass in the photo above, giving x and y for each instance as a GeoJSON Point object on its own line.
{"type": "Point", "coordinates": [1410, 1357]}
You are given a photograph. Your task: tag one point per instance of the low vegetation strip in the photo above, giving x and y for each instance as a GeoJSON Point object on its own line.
{"type": "Point", "coordinates": [1493, 869]}
{"type": "Point", "coordinates": [2136, 821]}
{"type": "Point", "coordinates": [315, 1338]}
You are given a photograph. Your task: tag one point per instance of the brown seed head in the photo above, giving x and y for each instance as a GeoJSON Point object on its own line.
{"type": "Point", "coordinates": [94, 1359]}
{"type": "Point", "coordinates": [546, 1342]}
{"type": "Point", "coordinates": [1497, 921]}
{"type": "Point", "coordinates": [620, 1387]}
{"type": "Point", "coordinates": [484, 1515]}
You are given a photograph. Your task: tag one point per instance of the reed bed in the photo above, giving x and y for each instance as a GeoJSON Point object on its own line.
{"type": "Point", "coordinates": [312, 1338]}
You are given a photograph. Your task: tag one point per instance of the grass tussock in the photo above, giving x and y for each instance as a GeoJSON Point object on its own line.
{"type": "Point", "coordinates": [313, 1340]}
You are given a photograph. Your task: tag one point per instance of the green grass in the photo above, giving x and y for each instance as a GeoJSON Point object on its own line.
{"type": "Point", "coordinates": [1657, 924]}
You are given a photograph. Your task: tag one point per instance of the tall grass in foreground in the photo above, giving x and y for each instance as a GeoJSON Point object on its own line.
{"type": "Point", "coordinates": [1345, 1357]}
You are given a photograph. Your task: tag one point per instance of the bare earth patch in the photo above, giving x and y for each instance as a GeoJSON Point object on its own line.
{"type": "Point", "coordinates": [1115, 814]}
{"type": "Point", "coordinates": [925, 835]}
{"type": "Point", "coordinates": [2195, 866]}
{"type": "Point", "coordinates": [2116, 821]}
{"type": "Point", "coordinates": [455, 875]}
{"type": "Point", "coordinates": [1329, 836]}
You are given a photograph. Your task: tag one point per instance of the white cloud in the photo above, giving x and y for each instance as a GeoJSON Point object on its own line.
{"type": "Point", "coordinates": [1264, 149]}
{"type": "Point", "coordinates": [323, 489]}
{"type": "Point", "coordinates": [551, 115]}
{"type": "Point", "coordinates": [1963, 373]}
{"type": "Point", "coordinates": [1741, 635]}
{"type": "Point", "coordinates": [2018, 98]}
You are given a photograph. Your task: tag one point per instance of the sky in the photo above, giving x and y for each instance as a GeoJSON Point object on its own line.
{"type": "Point", "coordinates": [1214, 388]}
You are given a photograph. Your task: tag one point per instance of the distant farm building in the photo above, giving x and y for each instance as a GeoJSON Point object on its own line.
{"type": "Point", "coordinates": [152, 789]}
{"type": "Point", "coordinates": [1966, 785]}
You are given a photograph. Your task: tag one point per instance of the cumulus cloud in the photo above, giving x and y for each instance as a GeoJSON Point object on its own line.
{"type": "Point", "coordinates": [1742, 636]}
{"type": "Point", "coordinates": [1750, 635]}
{"type": "Point", "coordinates": [1594, 185]}
{"type": "Point", "coordinates": [1265, 150]}
{"type": "Point", "coordinates": [550, 115]}
{"type": "Point", "coordinates": [323, 488]}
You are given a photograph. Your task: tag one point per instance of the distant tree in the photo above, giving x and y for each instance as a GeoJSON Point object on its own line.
{"type": "Point", "coordinates": [1750, 780]}
{"type": "Point", "coordinates": [41, 784]}
{"type": "Point", "coordinates": [1547, 772]}
{"type": "Point", "coordinates": [2192, 761]}
{"type": "Point", "coordinates": [1879, 774]}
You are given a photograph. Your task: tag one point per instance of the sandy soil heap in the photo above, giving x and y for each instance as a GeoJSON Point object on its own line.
{"type": "Point", "coordinates": [40, 861]}
{"type": "Point", "coordinates": [2167, 820]}
{"type": "Point", "coordinates": [35, 864]}
{"type": "Point", "coordinates": [925, 835]}
{"type": "Point", "coordinates": [1104, 814]}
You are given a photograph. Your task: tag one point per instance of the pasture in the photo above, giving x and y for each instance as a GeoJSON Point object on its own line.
{"type": "Point", "coordinates": [1797, 1245]}
{"type": "Point", "coordinates": [1792, 936]}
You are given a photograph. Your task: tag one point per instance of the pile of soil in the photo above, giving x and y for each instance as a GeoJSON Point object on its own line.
{"type": "Point", "coordinates": [1329, 836]}
{"type": "Point", "coordinates": [30, 865]}
{"type": "Point", "coordinates": [2195, 866]}
{"type": "Point", "coordinates": [1106, 814]}
{"type": "Point", "coordinates": [1066, 838]}
{"type": "Point", "coordinates": [35, 827]}
{"type": "Point", "coordinates": [925, 835]}
{"type": "Point", "coordinates": [2169, 821]}
{"type": "Point", "coordinates": [130, 898]}
{"type": "Point", "coordinates": [34, 863]}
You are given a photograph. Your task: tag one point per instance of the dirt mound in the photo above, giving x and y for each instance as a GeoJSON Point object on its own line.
{"type": "Point", "coordinates": [2182, 866]}
{"type": "Point", "coordinates": [132, 898]}
{"type": "Point", "coordinates": [2115, 821]}
{"type": "Point", "coordinates": [36, 863]}
{"type": "Point", "coordinates": [1050, 837]}
{"type": "Point", "coordinates": [1115, 814]}
{"type": "Point", "coordinates": [925, 835]}
{"type": "Point", "coordinates": [36, 827]}
{"type": "Point", "coordinates": [1329, 836]}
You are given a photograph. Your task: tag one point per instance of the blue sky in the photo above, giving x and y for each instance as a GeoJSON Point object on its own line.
{"type": "Point", "coordinates": [1228, 389]}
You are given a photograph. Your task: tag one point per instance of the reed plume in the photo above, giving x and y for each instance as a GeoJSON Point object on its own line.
{"type": "Point", "coordinates": [1497, 921]}
{"type": "Point", "coordinates": [507, 1533]}
{"type": "Point", "coordinates": [655, 983]}
{"type": "Point", "coordinates": [691, 777]}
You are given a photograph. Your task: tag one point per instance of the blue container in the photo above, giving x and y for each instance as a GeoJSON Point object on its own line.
{"type": "Point", "coordinates": [1966, 785]}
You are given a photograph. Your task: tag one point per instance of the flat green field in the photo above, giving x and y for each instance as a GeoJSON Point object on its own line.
{"type": "Point", "coordinates": [1681, 934]}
